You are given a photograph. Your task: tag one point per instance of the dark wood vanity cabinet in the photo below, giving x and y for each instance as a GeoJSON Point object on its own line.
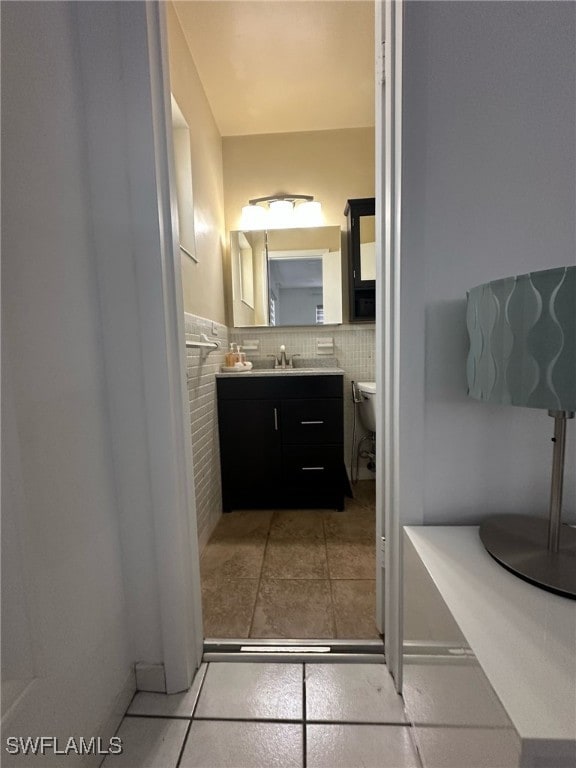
{"type": "Point", "coordinates": [360, 215]}
{"type": "Point", "coordinates": [281, 441]}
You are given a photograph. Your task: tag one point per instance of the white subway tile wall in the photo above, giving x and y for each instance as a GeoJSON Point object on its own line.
{"type": "Point", "coordinates": [354, 348]}
{"type": "Point", "coordinates": [201, 369]}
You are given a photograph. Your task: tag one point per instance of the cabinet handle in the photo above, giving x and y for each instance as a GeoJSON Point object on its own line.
{"type": "Point", "coordinates": [311, 422]}
{"type": "Point", "coordinates": [313, 469]}
{"type": "Point", "coordinates": [276, 419]}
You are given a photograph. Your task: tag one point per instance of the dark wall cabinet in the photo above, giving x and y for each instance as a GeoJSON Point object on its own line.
{"type": "Point", "coordinates": [361, 220]}
{"type": "Point", "coordinates": [281, 441]}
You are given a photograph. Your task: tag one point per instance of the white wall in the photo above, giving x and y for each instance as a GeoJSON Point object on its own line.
{"type": "Point", "coordinates": [203, 282]}
{"type": "Point", "coordinates": [489, 179]}
{"type": "Point", "coordinates": [66, 562]}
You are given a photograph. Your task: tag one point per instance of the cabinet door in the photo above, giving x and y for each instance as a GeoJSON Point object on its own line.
{"type": "Point", "coordinates": [362, 258]}
{"type": "Point", "coordinates": [250, 450]}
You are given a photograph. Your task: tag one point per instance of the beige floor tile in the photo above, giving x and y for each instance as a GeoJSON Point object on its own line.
{"type": "Point", "coordinates": [354, 505]}
{"type": "Point", "coordinates": [365, 492]}
{"type": "Point", "coordinates": [361, 693]}
{"type": "Point", "coordinates": [292, 559]}
{"type": "Point", "coordinates": [299, 524]}
{"type": "Point", "coordinates": [148, 743]}
{"type": "Point", "coordinates": [213, 744]}
{"type": "Point", "coordinates": [354, 604]}
{"type": "Point", "coordinates": [351, 746]}
{"type": "Point", "coordinates": [293, 608]}
{"type": "Point", "coordinates": [244, 524]}
{"type": "Point", "coordinates": [354, 526]}
{"type": "Point", "coordinates": [252, 691]}
{"type": "Point", "coordinates": [240, 559]}
{"type": "Point", "coordinates": [472, 747]}
{"type": "Point", "coordinates": [228, 606]}
{"type": "Point", "coordinates": [355, 560]}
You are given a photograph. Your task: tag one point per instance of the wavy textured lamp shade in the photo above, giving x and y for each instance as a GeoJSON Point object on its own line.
{"type": "Point", "coordinates": [523, 340]}
{"type": "Point", "coordinates": [523, 352]}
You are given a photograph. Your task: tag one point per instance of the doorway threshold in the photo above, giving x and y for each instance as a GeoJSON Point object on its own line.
{"type": "Point", "coordinates": [294, 650]}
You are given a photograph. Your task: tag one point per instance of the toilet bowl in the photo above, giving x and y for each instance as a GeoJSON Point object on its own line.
{"type": "Point", "coordinates": [367, 406]}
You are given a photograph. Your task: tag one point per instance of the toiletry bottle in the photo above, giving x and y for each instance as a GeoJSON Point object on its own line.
{"type": "Point", "coordinates": [230, 358]}
{"type": "Point", "coordinates": [239, 355]}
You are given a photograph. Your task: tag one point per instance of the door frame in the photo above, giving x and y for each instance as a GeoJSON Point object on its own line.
{"type": "Point", "coordinates": [388, 173]}
{"type": "Point", "coordinates": [175, 521]}
{"type": "Point", "coordinates": [184, 575]}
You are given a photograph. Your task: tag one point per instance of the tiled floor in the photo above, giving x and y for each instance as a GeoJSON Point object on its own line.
{"type": "Point", "coordinates": [250, 715]}
{"type": "Point", "coordinates": [293, 573]}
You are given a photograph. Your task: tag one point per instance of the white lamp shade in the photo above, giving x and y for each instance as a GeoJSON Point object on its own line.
{"type": "Point", "coordinates": [309, 214]}
{"type": "Point", "coordinates": [253, 217]}
{"type": "Point", "coordinates": [281, 214]}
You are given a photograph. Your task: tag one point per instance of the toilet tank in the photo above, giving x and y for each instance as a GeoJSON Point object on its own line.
{"type": "Point", "coordinates": [367, 406]}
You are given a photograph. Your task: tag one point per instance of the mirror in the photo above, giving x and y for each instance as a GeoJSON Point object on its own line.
{"type": "Point", "coordinates": [367, 248]}
{"type": "Point", "coordinates": [286, 277]}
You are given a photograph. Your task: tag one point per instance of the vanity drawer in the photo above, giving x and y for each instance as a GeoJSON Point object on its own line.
{"type": "Point", "coordinates": [312, 422]}
{"type": "Point", "coordinates": [311, 466]}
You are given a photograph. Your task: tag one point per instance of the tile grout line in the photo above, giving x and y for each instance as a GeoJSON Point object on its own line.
{"type": "Point", "coordinates": [158, 717]}
{"type": "Point", "coordinates": [333, 610]}
{"type": "Point", "coordinates": [299, 721]}
{"type": "Point", "coordinates": [200, 689]}
{"type": "Point", "coordinates": [250, 628]}
{"type": "Point", "coordinates": [415, 746]}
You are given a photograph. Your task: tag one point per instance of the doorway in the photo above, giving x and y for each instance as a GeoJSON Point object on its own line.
{"type": "Point", "coordinates": [251, 558]}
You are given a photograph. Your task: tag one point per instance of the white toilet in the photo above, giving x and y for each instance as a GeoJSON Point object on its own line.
{"type": "Point", "coordinates": [367, 406]}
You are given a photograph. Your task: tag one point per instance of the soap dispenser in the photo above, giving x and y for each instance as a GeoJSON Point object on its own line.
{"type": "Point", "coordinates": [230, 359]}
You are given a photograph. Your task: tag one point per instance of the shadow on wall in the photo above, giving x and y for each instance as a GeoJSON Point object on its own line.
{"type": "Point", "coordinates": [446, 351]}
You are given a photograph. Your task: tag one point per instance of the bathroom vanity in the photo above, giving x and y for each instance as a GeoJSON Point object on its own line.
{"type": "Point", "coordinates": [281, 439]}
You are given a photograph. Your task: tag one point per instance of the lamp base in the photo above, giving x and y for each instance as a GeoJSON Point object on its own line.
{"type": "Point", "coordinates": [519, 543]}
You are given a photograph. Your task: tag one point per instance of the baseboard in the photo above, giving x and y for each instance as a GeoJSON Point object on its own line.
{"type": "Point", "coordinates": [112, 722]}
{"type": "Point", "coordinates": [150, 677]}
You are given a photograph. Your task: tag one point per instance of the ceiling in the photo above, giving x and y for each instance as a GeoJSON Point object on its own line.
{"type": "Point", "coordinates": [279, 66]}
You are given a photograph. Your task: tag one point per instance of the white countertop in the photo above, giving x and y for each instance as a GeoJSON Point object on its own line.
{"type": "Point", "coordinates": [523, 637]}
{"type": "Point", "coordinates": [283, 372]}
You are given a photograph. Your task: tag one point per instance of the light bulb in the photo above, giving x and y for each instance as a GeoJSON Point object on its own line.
{"type": "Point", "coordinates": [253, 217]}
{"type": "Point", "coordinates": [309, 214]}
{"type": "Point", "coordinates": [281, 214]}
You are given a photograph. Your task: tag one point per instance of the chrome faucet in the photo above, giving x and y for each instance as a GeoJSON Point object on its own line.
{"type": "Point", "coordinates": [283, 361]}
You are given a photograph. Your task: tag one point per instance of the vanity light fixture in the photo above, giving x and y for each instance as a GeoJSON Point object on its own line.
{"type": "Point", "coordinates": [281, 211]}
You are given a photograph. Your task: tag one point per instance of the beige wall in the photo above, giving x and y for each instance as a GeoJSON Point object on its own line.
{"type": "Point", "coordinates": [331, 165]}
{"type": "Point", "coordinates": [203, 283]}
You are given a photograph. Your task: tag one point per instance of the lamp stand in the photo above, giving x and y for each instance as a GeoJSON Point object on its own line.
{"type": "Point", "coordinates": [541, 551]}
